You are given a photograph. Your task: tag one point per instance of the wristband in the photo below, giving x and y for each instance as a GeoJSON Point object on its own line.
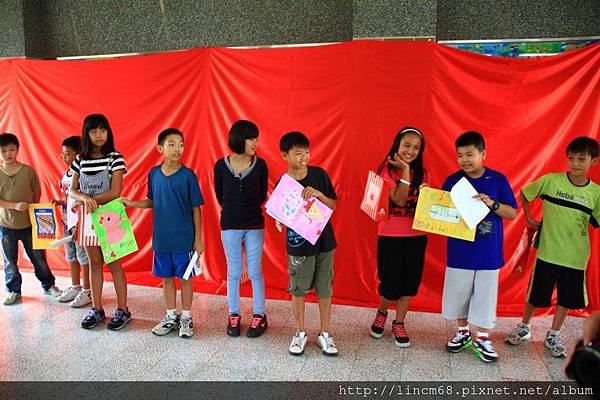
{"type": "Point", "coordinates": [405, 182]}
{"type": "Point", "coordinates": [495, 206]}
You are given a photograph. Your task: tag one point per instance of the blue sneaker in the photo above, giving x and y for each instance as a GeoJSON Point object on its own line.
{"type": "Point", "coordinates": [119, 320]}
{"type": "Point", "coordinates": [92, 318]}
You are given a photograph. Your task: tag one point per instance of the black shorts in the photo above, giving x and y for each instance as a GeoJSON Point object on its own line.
{"type": "Point", "coordinates": [400, 263]}
{"type": "Point", "coordinates": [569, 283]}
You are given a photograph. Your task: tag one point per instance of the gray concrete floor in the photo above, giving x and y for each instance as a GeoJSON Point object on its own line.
{"type": "Point", "coordinates": [42, 340]}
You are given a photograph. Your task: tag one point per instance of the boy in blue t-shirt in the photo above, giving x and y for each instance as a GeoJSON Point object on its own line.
{"type": "Point", "coordinates": [175, 198]}
{"type": "Point", "coordinates": [471, 280]}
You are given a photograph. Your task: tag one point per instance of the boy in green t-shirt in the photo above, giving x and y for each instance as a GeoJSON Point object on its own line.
{"type": "Point", "coordinates": [570, 201]}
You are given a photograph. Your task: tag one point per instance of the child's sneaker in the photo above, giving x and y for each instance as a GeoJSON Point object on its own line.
{"type": "Point", "coordinates": [186, 328]}
{"type": "Point", "coordinates": [92, 318]}
{"type": "Point", "coordinates": [258, 327]}
{"type": "Point", "coordinates": [518, 335]}
{"type": "Point", "coordinates": [69, 294]}
{"type": "Point", "coordinates": [378, 325]}
{"type": "Point", "coordinates": [483, 348]}
{"type": "Point", "coordinates": [11, 298]}
{"type": "Point", "coordinates": [165, 326]}
{"type": "Point", "coordinates": [233, 325]}
{"type": "Point", "coordinates": [53, 291]}
{"type": "Point", "coordinates": [119, 320]}
{"type": "Point", "coordinates": [400, 334]}
{"type": "Point", "coordinates": [327, 344]}
{"type": "Point", "coordinates": [298, 342]}
{"type": "Point", "coordinates": [460, 341]}
{"type": "Point", "coordinates": [83, 299]}
{"type": "Point", "coordinates": [555, 345]}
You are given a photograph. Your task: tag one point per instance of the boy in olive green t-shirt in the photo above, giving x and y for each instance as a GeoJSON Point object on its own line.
{"type": "Point", "coordinates": [19, 187]}
{"type": "Point", "coordinates": [570, 201]}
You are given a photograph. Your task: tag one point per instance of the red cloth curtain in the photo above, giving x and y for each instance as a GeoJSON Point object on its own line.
{"type": "Point", "coordinates": [350, 99]}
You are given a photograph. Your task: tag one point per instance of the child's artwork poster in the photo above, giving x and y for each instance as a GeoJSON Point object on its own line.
{"type": "Point", "coordinates": [86, 234]}
{"type": "Point", "coordinates": [114, 231]}
{"type": "Point", "coordinates": [44, 225]}
{"type": "Point", "coordinates": [436, 213]}
{"type": "Point", "coordinates": [306, 217]}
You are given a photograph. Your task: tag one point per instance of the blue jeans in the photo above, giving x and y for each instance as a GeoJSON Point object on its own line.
{"type": "Point", "coordinates": [10, 252]}
{"type": "Point", "coordinates": [253, 243]}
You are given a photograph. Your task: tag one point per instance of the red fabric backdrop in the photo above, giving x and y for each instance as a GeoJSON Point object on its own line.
{"type": "Point", "coordinates": [349, 98]}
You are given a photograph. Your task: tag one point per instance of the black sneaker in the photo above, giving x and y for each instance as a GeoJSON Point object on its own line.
{"type": "Point", "coordinates": [400, 335]}
{"type": "Point", "coordinates": [258, 327]}
{"type": "Point", "coordinates": [92, 318]}
{"type": "Point", "coordinates": [460, 341]}
{"type": "Point", "coordinates": [119, 320]}
{"type": "Point", "coordinates": [378, 325]}
{"type": "Point", "coordinates": [233, 326]}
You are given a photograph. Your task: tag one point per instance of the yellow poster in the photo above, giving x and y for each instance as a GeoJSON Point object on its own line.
{"type": "Point", "coordinates": [44, 225]}
{"type": "Point", "coordinates": [436, 213]}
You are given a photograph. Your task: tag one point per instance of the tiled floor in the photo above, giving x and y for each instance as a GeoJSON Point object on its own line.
{"type": "Point", "coordinates": [42, 340]}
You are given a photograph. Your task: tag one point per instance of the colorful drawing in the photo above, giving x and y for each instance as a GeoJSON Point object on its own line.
{"type": "Point", "coordinates": [114, 231]}
{"type": "Point", "coordinates": [44, 224]}
{"type": "Point", "coordinates": [436, 213]}
{"type": "Point", "coordinates": [305, 217]}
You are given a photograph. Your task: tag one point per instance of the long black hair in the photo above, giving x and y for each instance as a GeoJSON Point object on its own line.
{"type": "Point", "coordinates": [416, 165]}
{"type": "Point", "coordinates": [94, 121]}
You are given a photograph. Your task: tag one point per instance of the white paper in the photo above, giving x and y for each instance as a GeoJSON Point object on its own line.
{"type": "Point", "coordinates": [62, 241]}
{"type": "Point", "coordinates": [72, 216]}
{"type": "Point", "coordinates": [194, 268]}
{"type": "Point", "coordinates": [470, 209]}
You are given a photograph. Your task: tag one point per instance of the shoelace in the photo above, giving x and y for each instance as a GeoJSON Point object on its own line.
{"type": "Point", "coordinates": [399, 330]}
{"type": "Point", "coordinates": [296, 341]}
{"type": "Point", "coordinates": [234, 320]}
{"type": "Point", "coordinates": [329, 341]}
{"type": "Point", "coordinates": [487, 345]}
{"type": "Point", "coordinates": [556, 341]}
{"type": "Point", "coordinates": [92, 312]}
{"type": "Point", "coordinates": [380, 320]}
{"type": "Point", "coordinates": [186, 322]}
{"type": "Point", "coordinates": [459, 336]}
{"type": "Point", "coordinates": [118, 314]}
{"type": "Point", "coordinates": [255, 322]}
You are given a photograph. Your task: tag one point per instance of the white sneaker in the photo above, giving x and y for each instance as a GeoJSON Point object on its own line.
{"type": "Point", "coordinates": [327, 344]}
{"type": "Point", "coordinates": [69, 294]}
{"type": "Point", "coordinates": [53, 291]}
{"type": "Point", "coordinates": [166, 325]}
{"type": "Point", "coordinates": [83, 299]}
{"type": "Point", "coordinates": [186, 328]}
{"type": "Point", "coordinates": [11, 298]}
{"type": "Point", "coordinates": [518, 335]}
{"type": "Point", "coordinates": [555, 345]}
{"type": "Point", "coordinates": [298, 342]}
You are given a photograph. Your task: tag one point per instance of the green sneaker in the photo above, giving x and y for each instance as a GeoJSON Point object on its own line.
{"type": "Point", "coordinates": [460, 341]}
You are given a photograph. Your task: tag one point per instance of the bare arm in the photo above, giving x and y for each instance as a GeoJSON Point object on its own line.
{"type": "Point", "coordinates": [309, 192]}
{"type": "Point", "coordinates": [504, 211]}
{"type": "Point", "coordinates": [530, 220]}
{"type": "Point", "coordinates": [198, 244]}
{"type": "Point", "coordinates": [19, 206]}
{"type": "Point", "coordinates": [146, 203]}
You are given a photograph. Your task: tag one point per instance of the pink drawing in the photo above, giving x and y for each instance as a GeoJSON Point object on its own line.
{"type": "Point", "coordinates": [111, 221]}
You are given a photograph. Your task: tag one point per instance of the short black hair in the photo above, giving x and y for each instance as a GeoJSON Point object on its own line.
{"type": "Point", "coordinates": [584, 145]}
{"type": "Point", "coordinates": [73, 142]}
{"type": "Point", "coordinates": [471, 138]}
{"type": "Point", "coordinates": [293, 139]}
{"type": "Point", "coordinates": [239, 132]}
{"type": "Point", "coordinates": [8, 138]}
{"type": "Point", "coordinates": [95, 121]}
{"type": "Point", "coordinates": [169, 131]}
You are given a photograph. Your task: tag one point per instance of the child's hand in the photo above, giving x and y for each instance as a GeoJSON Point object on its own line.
{"type": "Point", "coordinates": [279, 226]}
{"type": "Point", "coordinates": [57, 202]}
{"type": "Point", "coordinates": [534, 223]}
{"type": "Point", "coordinates": [90, 203]}
{"type": "Point", "coordinates": [126, 202]}
{"type": "Point", "coordinates": [199, 247]}
{"type": "Point", "coordinates": [21, 206]}
{"type": "Point", "coordinates": [398, 163]}
{"type": "Point", "coordinates": [485, 198]}
{"type": "Point", "coordinates": [309, 192]}
{"type": "Point", "coordinates": [423, 185]}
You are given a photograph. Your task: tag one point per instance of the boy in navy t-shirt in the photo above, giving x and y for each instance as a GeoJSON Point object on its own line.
{"type": "Point", "coordinates": [471, 280]}
{"type": "Point", "coordinates": [175, 198]}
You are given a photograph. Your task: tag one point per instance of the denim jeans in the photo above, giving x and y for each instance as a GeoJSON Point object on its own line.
{"type": "Point", "coordinates": [10, 239]}
{"type": "Point", "coordinates": [253, 243]}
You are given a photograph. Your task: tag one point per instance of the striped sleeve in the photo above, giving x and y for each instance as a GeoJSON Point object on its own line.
{"type": "Point", "coordinates": [118, 163]}
{"type": "Point", "coordinates": [75, 165]}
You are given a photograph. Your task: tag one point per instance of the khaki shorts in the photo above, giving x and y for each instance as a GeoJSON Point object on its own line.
{"type": "Point", "coordinates": [307, 272]}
